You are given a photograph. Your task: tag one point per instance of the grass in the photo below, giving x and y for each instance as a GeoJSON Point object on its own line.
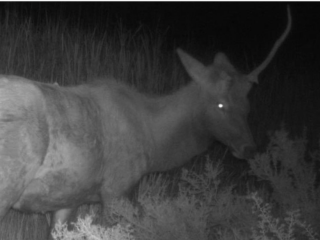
{"type": "Point", "coordinates": [16, 225]}
{"type": "Point", "coordinates": [56, 52]}
{"type": "Point", "coordinates": [292, 172]}
{"type": "Point", "coordinates": [204, 206]}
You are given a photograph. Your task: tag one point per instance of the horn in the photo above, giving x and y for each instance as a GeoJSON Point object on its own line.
{"type": "Point", "coordinates": [253, 76]}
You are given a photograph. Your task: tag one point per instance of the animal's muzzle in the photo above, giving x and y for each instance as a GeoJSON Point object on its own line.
{"type": "Point", "coordinates": [245, 152]}
{"type": "Point", "coordinates": [248, 152]}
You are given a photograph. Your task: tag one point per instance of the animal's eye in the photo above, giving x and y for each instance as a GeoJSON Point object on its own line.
{"type": "Point", "coordinates": [220, 105]}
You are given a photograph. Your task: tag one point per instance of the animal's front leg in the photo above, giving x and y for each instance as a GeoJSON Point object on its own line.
{"type": "Point", "coordinates": [66, 215]}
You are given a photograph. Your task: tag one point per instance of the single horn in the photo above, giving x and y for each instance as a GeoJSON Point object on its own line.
{"type": "Point", "coordinates": [253, 76]}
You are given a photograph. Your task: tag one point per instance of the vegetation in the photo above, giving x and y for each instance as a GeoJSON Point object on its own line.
{"type": "Point", "coordinates": [206, 207]}
{"type": "Point", "coordinates": [57, 52]}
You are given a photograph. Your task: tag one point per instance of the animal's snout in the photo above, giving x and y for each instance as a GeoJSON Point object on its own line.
{"type": "Point", "coordinates": [245, 152]}
{"type": "Point", "coordinates": [248, 151]}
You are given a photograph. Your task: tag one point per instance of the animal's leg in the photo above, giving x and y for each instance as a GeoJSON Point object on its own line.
{"type": "Point", "coordinates": [108, 218]}
{"type": "Point", "coordinates": [64, 216]}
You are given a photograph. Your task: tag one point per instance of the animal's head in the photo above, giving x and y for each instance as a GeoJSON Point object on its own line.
{"type": "Point", "coordinates": [224, 97]}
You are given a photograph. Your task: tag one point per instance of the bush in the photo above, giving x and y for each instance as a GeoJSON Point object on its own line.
{"type": "Point", "coordinates": [293, 178]}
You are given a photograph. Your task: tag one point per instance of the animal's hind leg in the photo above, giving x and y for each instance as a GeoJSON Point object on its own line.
{"type": "Point", "coordinates": [67, 215]}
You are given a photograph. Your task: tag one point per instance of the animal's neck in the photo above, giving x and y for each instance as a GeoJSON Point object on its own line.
{"type": "Point", "coordinates": [176, 128]}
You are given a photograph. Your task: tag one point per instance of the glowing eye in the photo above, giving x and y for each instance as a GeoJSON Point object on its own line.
{"type": "Point", "coordinates": [220, 105]}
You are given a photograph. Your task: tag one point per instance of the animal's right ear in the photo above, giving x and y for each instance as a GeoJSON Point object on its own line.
{"type": "Point", "coordinates": [222, 62]}
{"type": "Point", "coordinates": [196, 70]}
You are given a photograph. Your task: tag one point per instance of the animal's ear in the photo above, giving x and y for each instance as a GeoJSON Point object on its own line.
{"type": "Point", "coordinates": [196, 70]}
{"type": "Point", "coordinates": [222, 62]}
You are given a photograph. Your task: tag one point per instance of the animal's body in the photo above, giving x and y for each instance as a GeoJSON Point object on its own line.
{"type": "Point", "coordinates": [61, 147]}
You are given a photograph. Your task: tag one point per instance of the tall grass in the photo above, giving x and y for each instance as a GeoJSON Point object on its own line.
{"type": "Point", "coordinates": [18, 226]}
{"type": "Point", "coordinates": [56, 52]}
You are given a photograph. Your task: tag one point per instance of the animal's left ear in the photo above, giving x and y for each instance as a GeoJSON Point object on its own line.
{"type": "Point", "coordinates": [196, 70]}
